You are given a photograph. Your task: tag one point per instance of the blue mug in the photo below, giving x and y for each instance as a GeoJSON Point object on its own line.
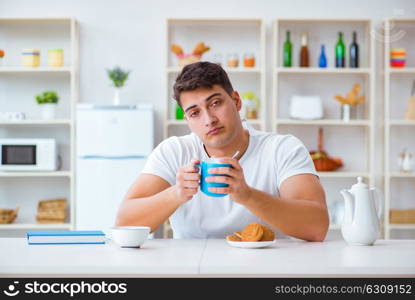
{"type": "Point", "coordinates": [204, 185]}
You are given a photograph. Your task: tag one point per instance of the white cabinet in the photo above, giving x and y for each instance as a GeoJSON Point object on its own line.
{"type": "Point", "coordinates": [18, 87]}
{"type": "Point", "coordinates": [399, 133]}
{"type": "Point", "coordinates": [352, 141]}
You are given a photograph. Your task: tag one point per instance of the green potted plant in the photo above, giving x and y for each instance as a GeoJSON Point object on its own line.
{"type": "Point", "coordinates": [118, 77]}
{"type": "Point", "coordinates": [48, 102]}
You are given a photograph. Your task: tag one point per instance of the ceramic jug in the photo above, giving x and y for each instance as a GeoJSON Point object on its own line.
{"type": "Point", "coordinates": [361, 221]}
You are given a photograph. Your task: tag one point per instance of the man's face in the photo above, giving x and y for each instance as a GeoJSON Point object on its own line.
{"type": "Point", "coordinates": [212, 114]}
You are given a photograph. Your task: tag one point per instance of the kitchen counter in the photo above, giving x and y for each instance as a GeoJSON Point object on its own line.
{"type": "Point", "coordinates": [208, 258]}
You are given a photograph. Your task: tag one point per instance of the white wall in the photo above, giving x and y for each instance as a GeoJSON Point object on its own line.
{"type": "Point", "coordinates": [131, 33]}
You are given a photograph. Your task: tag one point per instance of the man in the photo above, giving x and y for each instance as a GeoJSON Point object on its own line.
{"type": "Point", "coordinates": [272, 181]}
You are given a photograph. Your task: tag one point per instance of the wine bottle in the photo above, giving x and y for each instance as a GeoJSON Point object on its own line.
{"type": "Point", "coordinates": [354, 52]}
{"type": "Point", "coordinates": [322, 61]}
{"type": "Point", "coordinates": [288, 50]}
{"type": "Point", "coordinates": [179, 113]}
{"type": "Point", "coordinates": [340, 52]}
{"type": "Point", "coordinates": [304, 57]}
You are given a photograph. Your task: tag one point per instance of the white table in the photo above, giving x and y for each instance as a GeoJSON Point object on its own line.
{"type": "Point", "coordinates": [208, 258]}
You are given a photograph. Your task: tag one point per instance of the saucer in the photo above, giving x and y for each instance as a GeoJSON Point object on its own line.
{"type": "Point", "coordinates": [250, 244]}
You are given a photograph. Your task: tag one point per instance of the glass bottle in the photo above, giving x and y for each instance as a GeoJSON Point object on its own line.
{"type": "Point", "coordinates": [287, 51]}
{"type": "Point", "coordinates": [304, 56]}
{"type": "Point", "coordinates": [249, 60]}
{"type": "Point", "coordinates": [340, 52]}
{"type": "Point", "coordinates": [322, 61]}
{"type": "Point", "coordinates": [179, 113]}
{"type": "Point", "coordinates": [354, 52]}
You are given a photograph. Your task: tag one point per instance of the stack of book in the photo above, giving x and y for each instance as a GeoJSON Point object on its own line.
{"type": "Point", "coordinates": [56, 237]}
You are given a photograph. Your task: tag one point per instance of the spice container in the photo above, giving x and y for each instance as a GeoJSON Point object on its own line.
{"type": "Point", "coordinates": [249, 60]}
{"type": "Point", "coordinates": [233, 61]}
{"type": "Point", "coordinates": [31, 58]}
{"type": "Point", "coordinates": [55, 58]}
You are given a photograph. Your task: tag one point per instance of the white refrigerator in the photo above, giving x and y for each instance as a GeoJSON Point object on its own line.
{"type": "Point", "coordinates": [113, 143]}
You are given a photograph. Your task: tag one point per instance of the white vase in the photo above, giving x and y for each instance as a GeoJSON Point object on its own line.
{"type": "Point", "coordinates": [116, 100]}
{"type": "Point", "coordinates": [48, 111]}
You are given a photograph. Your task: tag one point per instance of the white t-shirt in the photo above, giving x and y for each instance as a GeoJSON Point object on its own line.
{"type": "Point", "coordinates": [269, 159]}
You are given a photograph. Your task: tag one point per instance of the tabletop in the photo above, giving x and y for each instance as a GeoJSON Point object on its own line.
{"type": "Point", "coordinates": [208, 258]}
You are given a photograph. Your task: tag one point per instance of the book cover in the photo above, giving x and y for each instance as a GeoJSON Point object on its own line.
{"type": "Point", "coordinates": [65, 237]}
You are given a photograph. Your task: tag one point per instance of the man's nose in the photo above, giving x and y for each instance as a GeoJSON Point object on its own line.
{"type": "Point", "coordinates": [210, 118]}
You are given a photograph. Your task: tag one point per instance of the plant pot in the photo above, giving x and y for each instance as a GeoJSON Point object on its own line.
{"type": "Point", "coordinates": [48, 111]}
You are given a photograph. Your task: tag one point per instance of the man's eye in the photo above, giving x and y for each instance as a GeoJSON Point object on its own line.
{"type": "Point", "coordinates": [194, 114]}
{"type": "Point", "coordinates": [216, 102]}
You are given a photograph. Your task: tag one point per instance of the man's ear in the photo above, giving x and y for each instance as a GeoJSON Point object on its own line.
{"type": "Point", "coordinates": [237, 100]}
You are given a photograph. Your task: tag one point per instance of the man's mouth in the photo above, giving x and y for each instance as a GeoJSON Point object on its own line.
{"type": "Point", "coordinates": [215, 131]}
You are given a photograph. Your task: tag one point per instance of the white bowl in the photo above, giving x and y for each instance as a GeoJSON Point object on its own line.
{"type": "Point", "coordinates": [130, 236]}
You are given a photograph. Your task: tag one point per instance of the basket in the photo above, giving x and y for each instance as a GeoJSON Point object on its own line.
{"type": "Point", "coordinates": [7, 216]}
{"type": "Point", "coordinates": [51, 211]}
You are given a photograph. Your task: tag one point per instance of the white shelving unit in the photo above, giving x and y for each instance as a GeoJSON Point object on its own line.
{"type": "Point", "coordinates": [223, 36]}
{"type": "Point", "coordinates": [25, 189]}
{"type": "Point", "coordinates": [326, 83]}
{"type": "Point", "coordinates": [399, 133]}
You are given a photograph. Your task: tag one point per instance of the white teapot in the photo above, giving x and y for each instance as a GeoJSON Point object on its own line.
{"type": "Point", "coordinates": [361, 225]}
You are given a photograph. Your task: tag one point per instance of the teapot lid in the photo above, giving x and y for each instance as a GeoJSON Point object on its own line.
{"type": "Point", "coordinates": [360, 184]}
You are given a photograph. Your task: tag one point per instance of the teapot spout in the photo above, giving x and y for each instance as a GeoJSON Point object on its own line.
{"type": "Point", "coordinates": [348, 206]}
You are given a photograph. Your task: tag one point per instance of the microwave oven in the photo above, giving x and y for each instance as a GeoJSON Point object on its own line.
{"type": "Point", "coordinates": [28, 155]}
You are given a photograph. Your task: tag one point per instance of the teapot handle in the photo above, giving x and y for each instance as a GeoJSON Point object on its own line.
{"type": "Point", "coordinates": [380, 201]}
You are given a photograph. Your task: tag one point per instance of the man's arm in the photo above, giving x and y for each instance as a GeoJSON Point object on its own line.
{"type": "Point", "coordinates": [148, 202]}
{"type": "Point", "coordinates": [299, 211]}
{"type": "Point", "coordinates": [151, 200]}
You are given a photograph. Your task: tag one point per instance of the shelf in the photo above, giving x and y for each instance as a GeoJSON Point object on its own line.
{"type": "Point", "coordinates": [343, 174]}
{"type": "Point", "coordinates": [323, 122]}
{"type": "Point", "coordinates": [35, 70]}
{"type": "Point", "coordinates": [36, 174]}
{"type": "Point", "coordinates": [400, 70]}
{"type": "Point", "coordinates": [312, 70]}
{"type": "Point", "coordinates": [401, 122]}
{"type": "Point", "coordinates": [35, 226]}
{"type": "Point", "coordinates": [36, 122]}
{"type": "Point", "coordinates": [184, 122]}
{"type": "Point", "coordinates": [228, 70]}
{"type": "Point", "coordinates": [402, 226]}
{"type": "Point", "coordinates": [401, 175]}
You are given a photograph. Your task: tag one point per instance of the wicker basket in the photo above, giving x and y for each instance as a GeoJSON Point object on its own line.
{"type": "Point", "coordinates": [324, 163]}
{"type": "Point", "coordinates": [7, 216]}
{"type": "Point", "coordinates": [51, 211]}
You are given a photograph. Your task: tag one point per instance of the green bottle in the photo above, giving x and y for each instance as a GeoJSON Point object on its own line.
{"type": "Point", "coordinates": [179, 113]}
{"type": "Point", "coordinates": [288, 46]}
{"type": "Point", "coordinates": [340, 52]}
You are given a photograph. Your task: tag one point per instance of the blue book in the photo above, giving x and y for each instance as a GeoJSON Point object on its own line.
{"type": "Point", "coordinates": [56, 237]}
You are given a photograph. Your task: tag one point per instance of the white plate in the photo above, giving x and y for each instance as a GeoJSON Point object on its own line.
{"type": "Point", "coordinates": [250, 244]}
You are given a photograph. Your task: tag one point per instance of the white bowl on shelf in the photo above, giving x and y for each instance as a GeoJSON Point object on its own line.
{"type": "Point", "coordinates": [130, 236]}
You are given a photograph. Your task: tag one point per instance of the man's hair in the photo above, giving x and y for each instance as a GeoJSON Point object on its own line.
{"type": "Point", "coordinates": [201, 75]}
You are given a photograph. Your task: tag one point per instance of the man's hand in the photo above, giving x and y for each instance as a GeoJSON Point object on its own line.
{"type": "Point", "coordinates": [187, 181]}
{"type": "Point", "coordinates": [238, 190]}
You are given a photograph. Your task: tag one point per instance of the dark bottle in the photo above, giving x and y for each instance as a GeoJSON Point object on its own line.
{"type": "Point", "coordinates": [340, 52]}
{"type": "Point", "coordinates": [354, 52]}
{"type": "Point", "coordinates": [322, 61]}
{"type": "Point", "coordinates": [304, 56]}
{"type": "Point", "coordinates": [288, 51]}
